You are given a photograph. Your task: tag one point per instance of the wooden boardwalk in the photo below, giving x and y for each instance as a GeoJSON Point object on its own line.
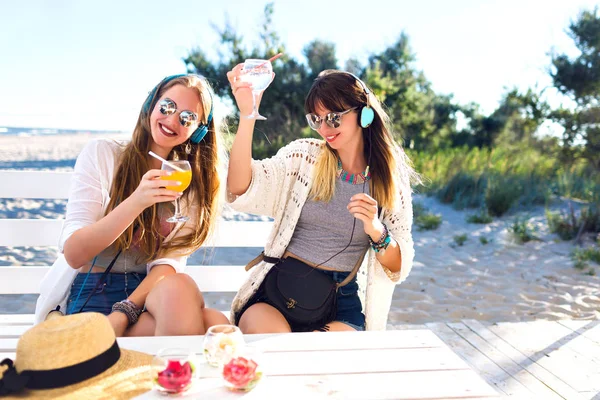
{"type": "Point", "coordinates": [530, 360]}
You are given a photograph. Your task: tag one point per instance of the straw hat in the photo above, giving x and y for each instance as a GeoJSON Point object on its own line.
{"type": "Point", "coordinates": [75, 356]}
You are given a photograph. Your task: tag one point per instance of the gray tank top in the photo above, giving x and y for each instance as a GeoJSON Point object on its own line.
{"type": "Point", "coordinates": [324, 229]}
{"type": "Point", "coordinates": [128, 260]}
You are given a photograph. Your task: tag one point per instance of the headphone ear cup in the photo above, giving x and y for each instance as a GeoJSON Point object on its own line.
{"type": "Point", "coordinates": [367, 115]}
{"type": "Point", "coordinates": [199, 134]}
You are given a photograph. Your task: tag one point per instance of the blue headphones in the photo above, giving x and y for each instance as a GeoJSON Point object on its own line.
{"type": "Point", "coordinates": [202, 129]}
{"type": "Point", "coordinates": [367, 115]}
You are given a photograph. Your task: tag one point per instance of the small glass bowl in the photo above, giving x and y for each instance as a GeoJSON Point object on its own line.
{"type": "Point", "coordinates": [173, 370]}
{"type": "Point", "coordinates": [222, 342]}
{"type": "Point", "coordinates": [244, 371]}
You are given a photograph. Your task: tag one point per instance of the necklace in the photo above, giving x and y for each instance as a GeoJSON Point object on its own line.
{"type": "Point", "coordinates": [355, 179]}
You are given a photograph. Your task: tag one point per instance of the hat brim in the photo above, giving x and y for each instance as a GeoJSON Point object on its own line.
{"type": "Point", "coordinates": [128, 378]}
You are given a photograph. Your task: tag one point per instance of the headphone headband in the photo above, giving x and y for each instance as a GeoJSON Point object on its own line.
{"type": "Point", "coordinates": [367, 115]}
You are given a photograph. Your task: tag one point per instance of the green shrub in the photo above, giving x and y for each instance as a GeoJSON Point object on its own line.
{"type": "Point", "coordinates": [460, 239]}
{"type": "Point", "coordinates": [568, 224]}
{"type": "Point", "coordinates": [501, 194]}
{"type": "Point", "coordinates": [522, 230]}
{"type": "Point", "coordinates": [581, 257]}
{"type": "Point", "coordinates": [482, 217]}
{"type": "Point", "coordinates": [428, 221]}
{"type": "Point", "coordinates": [561, 224]}
{"type": "Point", "coordinates": [483, 240]}
{"type": "Point", "coordinates": [463, 191]}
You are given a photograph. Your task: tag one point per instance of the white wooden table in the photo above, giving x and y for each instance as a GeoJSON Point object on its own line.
{"type": "Point", "coordinates": [405, 364]}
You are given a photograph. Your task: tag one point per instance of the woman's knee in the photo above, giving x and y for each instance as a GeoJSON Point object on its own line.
{"type": "Point", "coordinates": [263, 318]}
{"type": "Point", "coordinates": [180, 288]}
{"type": "Point", "coordinates": [213, 317]}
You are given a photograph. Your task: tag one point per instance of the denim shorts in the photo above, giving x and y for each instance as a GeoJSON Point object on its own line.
{"type": "Point", "coordinates": [349, 307]}
{"type": "Point", "coordinates": [116, 287]}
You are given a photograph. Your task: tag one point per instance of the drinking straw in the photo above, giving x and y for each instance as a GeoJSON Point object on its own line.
{"type": "Point", "coordinates": [175, 167]}
{"type": "Point", "coordinates": [275, 57]}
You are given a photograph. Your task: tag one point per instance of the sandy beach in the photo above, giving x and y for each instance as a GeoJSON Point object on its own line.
{"type": "Point", "coordinates": [497, 281]}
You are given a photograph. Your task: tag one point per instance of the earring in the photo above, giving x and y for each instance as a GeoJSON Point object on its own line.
{"type": "Point", "coordinates": [188, 148]}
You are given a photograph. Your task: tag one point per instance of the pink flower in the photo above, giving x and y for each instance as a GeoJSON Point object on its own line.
{"type": "Point", "coordinates": [176, 377]}
{"type": "Point", "coordinates": [240, 372]}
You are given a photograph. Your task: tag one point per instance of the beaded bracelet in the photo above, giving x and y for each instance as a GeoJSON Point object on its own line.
{"type": "Point", "coordinates": [383, 242]}
{"type": "Point", "coordinates": [383, 246]}
{"type": "Point", "coordinates": [128, 307]}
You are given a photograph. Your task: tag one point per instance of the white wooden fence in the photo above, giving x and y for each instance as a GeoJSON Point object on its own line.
{"type": "Point", "coordinates": [45, 232]}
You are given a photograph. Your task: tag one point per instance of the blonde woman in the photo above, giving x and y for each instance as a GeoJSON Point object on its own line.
{"type": "Point", "coordinates": [332, 200]}
{"type": "Point", "coordinates": [117, 211]}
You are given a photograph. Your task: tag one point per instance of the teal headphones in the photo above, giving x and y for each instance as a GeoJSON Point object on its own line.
{"type": "Point", "coordinates": [202, 129]}
{"type": "Point", "coordinates": [367, 115]}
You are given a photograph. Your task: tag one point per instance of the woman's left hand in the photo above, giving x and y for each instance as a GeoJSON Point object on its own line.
{"type": "Point", "coordinates": [364, 207]}
{"type": "Point", "coordinates": [119, 322]}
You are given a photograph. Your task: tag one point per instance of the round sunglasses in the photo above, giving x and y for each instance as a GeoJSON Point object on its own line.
{"type": "Point", "coordinates": [186, 118]}
{"type": "Point", "coordinates": [333, 119]}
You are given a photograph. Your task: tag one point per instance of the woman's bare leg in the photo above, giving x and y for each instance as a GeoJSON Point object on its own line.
{"type": "Point", "coordinates": [213, 317]}
{"type": "Point", "coordinates": [263, 318]}
{"type": "Point", "coordinates": [337, 326]}
{"type": "Point", "coordinates": [146, 326]}
{"type": "Point", "coordinates": [176, 305]}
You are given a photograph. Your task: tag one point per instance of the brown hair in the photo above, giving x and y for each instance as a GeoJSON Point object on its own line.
{"type": "Point", "coordinates": [339, 91]}
{"type": "Point", "coordinates": [202, 194]}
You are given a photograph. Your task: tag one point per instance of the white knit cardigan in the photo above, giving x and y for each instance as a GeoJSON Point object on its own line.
{"type": "Point", "coordinates": [280, 186]}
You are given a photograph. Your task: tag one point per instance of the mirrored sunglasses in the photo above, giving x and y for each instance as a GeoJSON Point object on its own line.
{"type": "Point", "coordinates": [333, 119]}
{"type": "Point", "coordinates": [186, 118]}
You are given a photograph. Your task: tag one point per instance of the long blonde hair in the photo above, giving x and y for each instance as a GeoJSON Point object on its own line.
{"type": "Point", "coordinates": [389, 166]}
{"type": "Point", "coordinates": [203, 193]}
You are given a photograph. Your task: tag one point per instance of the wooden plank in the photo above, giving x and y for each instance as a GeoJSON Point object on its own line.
{"type": "Point", "coordinates": [30, 232]}
{"type": "Point", "coordinates": [8, 345]}
{"type": "Point", "coordinates": [531, 383]}
{"type": "Point", "coordinates": [552, 381]}
{"type": "Point", "coordinates": [12, 331]}
{"type": "Point", "coordinates": [46, 232]}
{"type": "Point", "coordinates": [590, 395]}
{"type": "Point", "coordinates": [16, 319]}
{"type": "Point", "coordinates": [39, 184]}
{"type": "Point", "coordinates": [589, 329]}
{"type": "Point", "coordinates": [210, 278]}
{"type": "Point", "coordinates": [541, 342]}
{"type": "Point", "coordinates": [299, 342]}
{"type": "Point", "coordinates": [359, 361]}
{"type": "Point", "coordinates": [432, 385]}
{"type": "Point", "coordinates": [487, 369]}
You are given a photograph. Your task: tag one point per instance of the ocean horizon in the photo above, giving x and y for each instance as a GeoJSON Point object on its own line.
{"type": "Point", "coordinates": [29, 131]}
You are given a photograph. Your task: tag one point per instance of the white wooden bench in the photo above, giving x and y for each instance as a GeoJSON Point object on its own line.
{"type": "Point", "coordinates": [45, 232]}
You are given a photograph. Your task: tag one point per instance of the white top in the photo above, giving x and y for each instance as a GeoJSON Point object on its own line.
{"type": "Point", "coordinates": [280, 186]}
{"type": "Point", "coordinates": [89, 197]}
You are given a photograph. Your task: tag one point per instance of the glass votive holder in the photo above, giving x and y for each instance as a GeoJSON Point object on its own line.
{"type": "Point", "coordinates": [244, 371]}
{"type": "Point", "coordinates": [173, 370]}
{"type": "Point", "coordinates": [222, 342]}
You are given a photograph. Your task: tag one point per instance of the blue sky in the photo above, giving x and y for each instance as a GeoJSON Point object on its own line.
{"type": "Point", "coordinates": [90, 64]}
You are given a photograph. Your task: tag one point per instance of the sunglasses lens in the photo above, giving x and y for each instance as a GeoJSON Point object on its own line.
{"type": "Point", "coordinates": [334, 120]}
{"type": "Point", "coordinates": [314, 121]}
{"type": "Point", "coordinates": [167, 107]}
{"type": "Point", "coordinates": [187, 118]}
